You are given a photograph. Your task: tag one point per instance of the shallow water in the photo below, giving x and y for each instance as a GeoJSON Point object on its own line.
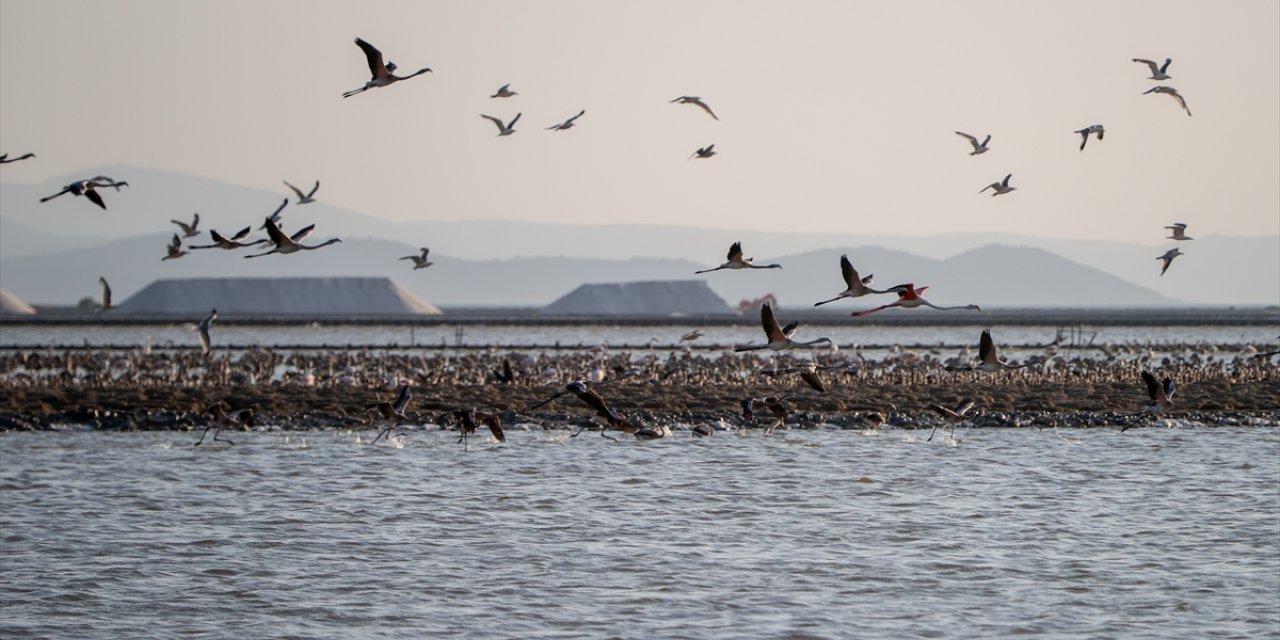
{"type": "Point", "coordinates": [1154, 533]}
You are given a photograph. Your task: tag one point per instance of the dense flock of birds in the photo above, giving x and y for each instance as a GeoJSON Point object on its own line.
{"type": "Point", "coordinates": [778, 338]}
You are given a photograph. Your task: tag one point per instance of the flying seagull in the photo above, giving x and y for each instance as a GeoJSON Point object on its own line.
{"type": "Point", "coordinates": [420, 261]}
{"type": "Point", "coordinates": [1168, 258]}
{"type": "Point", "coordinates": [503, 129]}
{"type": "Point", "coordinates": [308, 197]}
{"type": "Point", "coordinates": [1172, 93]}
{"type": "Point", "coordinates": [694, 100]}
{"type": "Point", "coordinates": [189, 230]}
{"type": "Point", "coordinates": [1179, 232]}
{"type": "Point", "coordinates": [1001, 187]}
{"type": "Point", "coordinates": [567, 123]}
{"type": "Point", "coordinates": [174, 249]}
{"type": "Point", "coordinates": [978, 148]}
{"type": "Point", "coordinates": [704, 152]}
{"type": "Point", "coordinates": [504, 92]}
{"type": "Point", "coordinates": [1157, 72]}
{"type": "Point", "coordinates": [1092, 129]}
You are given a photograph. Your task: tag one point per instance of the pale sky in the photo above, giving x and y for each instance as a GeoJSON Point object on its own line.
{"type": "Point", "coordinates": [835, 116]}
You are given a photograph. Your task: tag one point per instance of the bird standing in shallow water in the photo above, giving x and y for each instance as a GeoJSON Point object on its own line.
{"type": "Point", "coordinates": [222, 418]}
{"type": "Point", "coordinates": [382, 73]}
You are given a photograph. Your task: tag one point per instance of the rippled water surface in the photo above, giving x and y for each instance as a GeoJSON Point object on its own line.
{"type": "Point", "coordinates": [1154, 533]}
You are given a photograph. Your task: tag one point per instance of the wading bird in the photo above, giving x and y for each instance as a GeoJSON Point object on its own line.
{"type": "Point", "coordinates": [1172, 93]}
{"type": "Point", "coordinates": [988, 357]}
{"type": "Point", "coordinates": [382, 73]}
{"type": "Point", "coordinates": [189, 230]}
{"type": "Point", "coordinates": [855, 287]}
{"type": "Point", "coordinates": [420, 261]}
{"type": "Point", "coordinates": [1092, 129]}
{"type": "Point", "coordinates": [1161, 394]}
{"type": "Point", "coordinates": [393, 411]}
{"type": "Point", "coordinates": [218, 410]}
{"type": "Point", "coordinates": [290, 244]}
{"type": "Point", "coordinates": [951, 415]}
{"type": "Point", "coordinates": [909, 298]}
{"type": "Point", "coordinates": [88, 189]}
{"type": "Point", "coordinates": [175, 249]}
{"type": "Point", "coordinates": [704, 152]}
{"type": "Point", "coordinates": [1001, 187]}
{"type": "Point", "coordinates": [504, 129]}
{"type": "Point", "coordinates": [736, 261]}
{"type": "Point", "coordinates": [978, 148]}
{"type": "Point", "coordinates": [773, 404]}
{"type": "Point", "coordinates": [275, 215]}
{"type": "Point", "coordinates": [589, 397]}
{"type": "Point", "coordinates": [779, 339]}
{"type": "Point", "coordinates": [106, 294]}
{"type": "Point", "coordinates": [470, 419]}
{"type": "Point", "coordinates": [504, 92]}
{"type": "Point", "coordinates": [203, 330]}
{"type": "Point", "coordinates": [1168, 258]}
{"type": "Point", "coordinates": [698, 102]}
{"type": "Point", "coordinates": [5, 159]}
{"type": "Point", "coordinates": [307, 198]}
{"type": "Point", "coordinates": [1179, 232]}
{"type": "Point", "coordinates": [567, 123]}
{"type": "Point", "coordinates": [220, 242]}
{"type": "Point", "coordinates": [1157, 72]}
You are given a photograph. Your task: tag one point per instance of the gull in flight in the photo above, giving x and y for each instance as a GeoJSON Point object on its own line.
{"type": "Point", "coordinates": [704, 152]}
{"type": "Point", "coordinates": [382, 73]}
{"type": "Point", "coordinates": [504, 92]}
{"type": "Point", "coordinates": [1157, 71]}
{"type": "Point", "coordinates": [567, 123]}
{"type": "Point", "coordinates": [88, 188]}
{"type": "Point", "coordinates": [909, 298]}
{"type": "Point", "coordinates": [175, 249]}
{"type": "Point", "coordinates": [275, 215]}
{"type": "Point", "coordinates": [5, 159]}
{"type": "Point", "coordinates": [1085, 132]}
{"type": "Point", "coordinates": [1172, 93]}
{"type": "Point", "coordinates": [307, 198]}
{"type": "Point", "coordinates": [106, 294]}
{"type": "Point", "coordinates": [736, 261]}
{"type": "Point", "coordinates": [779, 339]}
{"type": "Point", "coordinates": [1179, 232]}
{"type": "Point", "coordinates": [203, 330]}
{"type": "Point", "coordinates": [1168, 258]}
{"type": "Point", "coordinates": [978, 148]}
{"type": "Point", "coordinates": [189, 230]}
{"type": "Point", "coordinates": [694, 100]}
{"type": "Point", "coordinates": [420, 261]}
{"type": "Point", "coordinates": [503, 129]}
{"type": "Point", "coordinates": [1001, 187]}
{"type": "Point", "coordinates": [856, 287]}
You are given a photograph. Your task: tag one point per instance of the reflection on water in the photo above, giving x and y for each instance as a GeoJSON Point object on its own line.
{"type": "Point", "coordinates": [1048, 534]}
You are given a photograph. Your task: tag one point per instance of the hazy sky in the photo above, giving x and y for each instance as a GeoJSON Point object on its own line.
{"type": "Point", "coordinates": [835, 116]}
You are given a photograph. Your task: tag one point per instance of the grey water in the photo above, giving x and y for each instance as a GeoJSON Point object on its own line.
{"type": "Point", "coordinates": [1153, 533]}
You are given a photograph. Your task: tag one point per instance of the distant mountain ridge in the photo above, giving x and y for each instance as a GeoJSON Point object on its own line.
{"type": "Point", "coordinates": [1216, 269]}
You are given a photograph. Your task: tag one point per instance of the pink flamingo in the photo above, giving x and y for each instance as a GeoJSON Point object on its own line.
{"type": "Point", "coordinates": [909, 298]}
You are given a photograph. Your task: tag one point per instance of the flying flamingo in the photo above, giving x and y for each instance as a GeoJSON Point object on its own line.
{"type": "Point", "coordinates": [988, 357]}
{"type": "Point", "coordinates": [1161, 394]}
{"type": "Point", "coordinates": [175, 249]}
{"type": "Point", "coordinates": [1092, 129]}
{"type": "Point", "coordinates": [504, 129]}
{"type": "Point", "coordinates": [189, 230]}
{"type": "Point", "coordinates": [88, 189]}
{"type": "Point", "coordinates": [470, 420]}
{"type": "Point", "coordinates": [420, 261]}
{"type": "Point", "coordinates": [5, 159]}
{"type": "Point", "coordinates": [234, 242]}
{"type": "Point", "coordinates": [290, 244]}
{"type": "Point", "coordinates": [777, 406]}
{"type": "Point", "coordinates": [697, 102]}
{"type": "Point", "coordinates": [736, 261]}
{"type": "Point", "coordinates": [1179, 232]}
{"type": "Point", "coordinates": [1172, 93]}
{"type": "Point", "coordinates": [382, 73]}
{"type": "Point", "coordinates": [567, 123]}
{"type": "Point", "coordinates": [779, 339]}
{"type": "Point", "coordinates": [950, 415]}
{"type": "Point", "coordinates": [594, 400]}
{"type": "Point", "coordinates": [856, 287]}
{"type": "Point", "coordinates": [306, 198]}
{"type": "Point", "coordinates": [978, 148]}
{"type": "Point", "coordinates": [1168, 258]}
{"type": "Point", "coordinates": [218, 410]}
{"type": "Point", "coordinates": [393, 411]}
{"type": "Point", "coordinates": [1000, 188]}
{"type": "Point", "coordinates": [909, 298]}
{"type": "Point", "coordinates": [1157, 72]}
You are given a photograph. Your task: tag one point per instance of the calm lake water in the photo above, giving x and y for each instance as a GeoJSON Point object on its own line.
{"type": "Point", "coordinates": [1154, 533]}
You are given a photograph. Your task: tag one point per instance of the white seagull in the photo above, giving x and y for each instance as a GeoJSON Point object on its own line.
{"type": "Point", "coordinates": [1157, 71]}
{"type": "Point", "coordinates": [307, 198]}
{"type": "Point", "coordinates": [420, 261]}
{"type": "Point", "coordinates": [694, 100]}
{"type": "Point", "coordinates": [203, 330]}
{"type": "Point", "coordinates": [1001, 187]}
{"type": "Point", "coordinates": [382, 73]}
{"type": "Point", "coordinates": [106, 294]}
{"type": "Point", "coordinates": [1168, 258]}
{"type": "Point", "coordinates": [189, 230]}
{"type": "Point", "coordinates": [1093, 129]}
{"type": "Point", "coordinates": [567, 123]}
{"type": "Point", "coordinates": [1179, 232]}
{"type": "Point", "coordinates": [978, 148]}
{"type": "Point", "coordinates": [503, 129]}
{"type": "Point", "coordinates": [504, 92]}
{"type": "Point", "coordinates": [1172, 93]}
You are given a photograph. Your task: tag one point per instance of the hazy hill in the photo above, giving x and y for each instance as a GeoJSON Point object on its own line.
{"type": "Point", "coordinates": [994, 275]}
{"type": "Point", "coordinates": [1216, 269]}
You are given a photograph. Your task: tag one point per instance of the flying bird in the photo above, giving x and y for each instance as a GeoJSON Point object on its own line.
{"type": "Point", "coordinates": [503, 129]}
{"type": "Point", "coordinates": [856, 287]}
{"type": "Point", "coordinates": [950, 415]}
{"type": "Point", "coordinates": [219, 242]}
{"type": "Point", "coordinates": [382, 73]}
{"type": "Point", "coordinates": [1001, 187]}
{"type": "Point", "coordinates": [174, 249]}
{"type": "Point", "coordinates": [203, 330]}
{"type": "Point", "coordinates": [698, 102]}
{"type": "Point", "coordinates": [988, 357]}
{"type": "Point", "coordinates": [808, 373]}
{"type": "Point", "coordinates": [275, 215]}
{"type": "Point", "coordinates": [5, 159]}
{"type": "Point", "coordinates": [909, 298]}
{"type": "Point", "coordinates": [779, 339]}
{"type": "Point", "coordinates": [567, 123]}
{"type": "Point", "coordinates": [420, 261]}
{"type": "Point", "coordinates": [1092, 129]}
{"type": "Point", "coordinates": [1172, 93]}
{"type": "Point", "coordinates": [106, 294]}
{"type": "Point", "coordinates": [775, 405]}
{"type": "Point", "coordinates": [1168, 258]}
{"type": "Point", "coordinates": [1179, 232]}
{"type": "Point", "coordinates": [290, 244]}
{"type": "Point", "coordinates": [223, 418]}
{"type": "Point", "coordinates": [1157, 71]}
{"type": "Point", "coordinates": [589, 397]}
{"type": "Point", "coordinates": [1161, 394]}
{"type": "Point", "coordinates": [704, 152]}
{"type": "Point", "coordinates": [470, 420]}
{"type": "Point", "coordinates": [393, 411]}
{"type": "Point", "coordinates": [88, 189]}
{"type": "Point", "coordinates": [692, 335]}
{"type": "Point", "coordinates": [504, 92]}
{"type": "Point", "coordinates": [736, 261]}
{"type": "Point", "coordinates": [307, 198]}
{"type": "Point", "coordinates": [189, 230]}
{"type": "Point", "coordinates": [978, 148]}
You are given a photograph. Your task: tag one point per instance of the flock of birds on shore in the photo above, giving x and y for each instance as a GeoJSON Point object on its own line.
{"type": "Point", "coordinates": [778, 337]}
